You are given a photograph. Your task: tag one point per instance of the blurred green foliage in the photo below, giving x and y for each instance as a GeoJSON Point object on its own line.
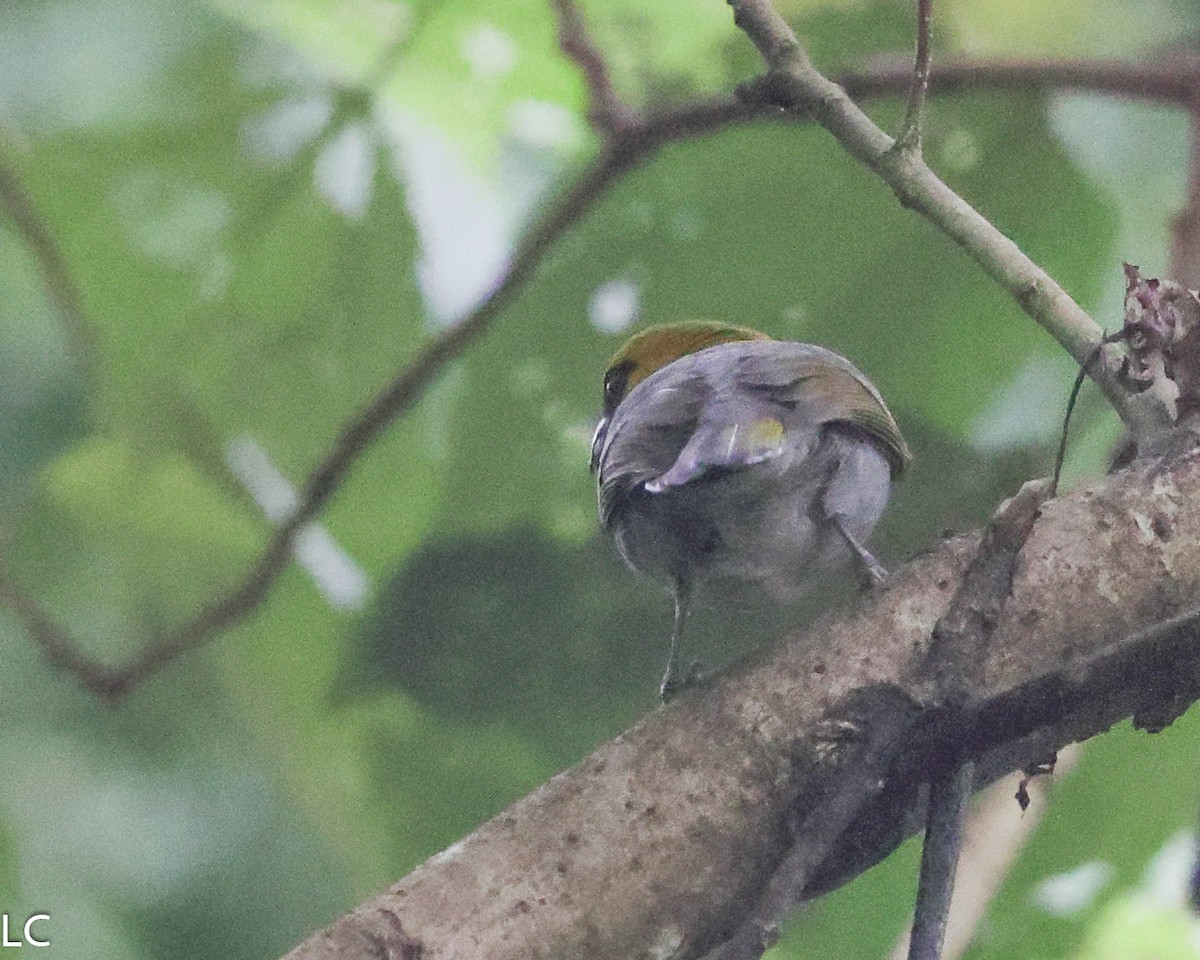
{"type": "Point", "coordinates": [267, 207]}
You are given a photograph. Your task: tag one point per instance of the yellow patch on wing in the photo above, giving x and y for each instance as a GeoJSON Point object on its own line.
{"type": "Point", "coordinates": [763, 438]}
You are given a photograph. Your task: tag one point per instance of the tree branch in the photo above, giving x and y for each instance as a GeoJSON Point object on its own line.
{"type": "Point", "coordinates": [792, 82]}
{"type": "Point", "coordinates": [1169, 82]}
{"type": "Point", "coordinates": [910, 133]}
{"type": "Point", "coordinates": [56, 278]}
{"type": "Point", "coordinates": [996, 831]}
{"type": "Point", "coordinates": [663, 839]}
{"type": "Point", "coordinates": [940, 852]}
{"type": "Point", "coordinates": [606, 111]}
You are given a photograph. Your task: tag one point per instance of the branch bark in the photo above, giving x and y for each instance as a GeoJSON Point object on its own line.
{"type": "Point", "coordinates": [660, 843]}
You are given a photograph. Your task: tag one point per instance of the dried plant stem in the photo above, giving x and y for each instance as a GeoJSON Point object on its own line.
{"type": "Point", "coordinates": [910, 134]}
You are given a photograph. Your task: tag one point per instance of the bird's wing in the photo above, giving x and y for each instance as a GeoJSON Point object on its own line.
{"type": "Point", "coordinates": [647, 432]}
{"type": "Point", "coordinates": [690, 421]}
{"type": "Point", "coordinates": [730, 407]}
{"type": "Point", "coordinates": [733, 432]}
{"type": "Point", "coordinates": [822, 387]}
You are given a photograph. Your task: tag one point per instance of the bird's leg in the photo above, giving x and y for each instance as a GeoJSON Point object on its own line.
{"type": "Point", "coordinates": [870, 570]}
{"type": "Point", "coordinates": [672, 682]}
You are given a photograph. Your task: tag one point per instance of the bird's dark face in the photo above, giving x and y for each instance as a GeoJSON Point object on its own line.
{"type": "Point", "coordinates": [616, 385]}
{"type": "Point", "coordinates": [651, 350]}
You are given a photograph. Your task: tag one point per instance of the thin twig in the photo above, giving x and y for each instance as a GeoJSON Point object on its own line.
{"type": "Point", "coordinates": [607, 113]}
{"type": "Point", "coordinates": [910, 133]}
{"type": "Point", "coordinates": [995, 833]}
{"type": "Point", "coordinates": [56, 278]}
{"type": "Point", "coordinates": [1061, 455]}
{"type": "Point", "coordinates": [948, 796]}
{"type": "Point", "coordinates": [55, 643]}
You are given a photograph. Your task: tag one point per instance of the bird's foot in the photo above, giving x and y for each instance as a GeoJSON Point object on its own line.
{"type": "Point", "coordinates": [675, 681]}
{"type": "Point", "coordinates": [869, 570]}
{"type": "Point", "coordinates": [871, 574]}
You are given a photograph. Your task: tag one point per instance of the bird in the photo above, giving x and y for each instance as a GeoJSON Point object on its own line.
{"type": "Point", "coordinates": [733, 463]}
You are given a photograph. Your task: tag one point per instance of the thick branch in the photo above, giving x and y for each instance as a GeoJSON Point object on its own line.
{"type": "Point", "coordinates": [664, 838]}
{"type": "Point", "coordinates": [879, 724]}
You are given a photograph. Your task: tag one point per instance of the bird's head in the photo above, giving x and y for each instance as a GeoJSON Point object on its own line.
{"type": "Point", "coordinates": [651, 350]}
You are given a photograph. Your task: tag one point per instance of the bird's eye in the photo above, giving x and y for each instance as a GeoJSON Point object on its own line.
{"type": "Point", "coordinates": [616, 384]}
{"type": "Point", "coordinates": [611, 393]}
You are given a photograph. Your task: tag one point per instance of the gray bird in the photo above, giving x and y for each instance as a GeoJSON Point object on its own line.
{"type": "Point", "coordinates": [740, 464]}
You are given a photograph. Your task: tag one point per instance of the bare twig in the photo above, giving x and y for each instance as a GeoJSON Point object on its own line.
{"type": "Point", "coordinates": [1185, 231]}
{"type": "Point", "coordinates": [995, 833]}
{"type": "Point", "coordinates": [910, 133]}
{"type": "Point", "coordinates": [792, 82]}
{"type": "Point", "coordinates": [56, 278]}
{"type": "Point", "coordinates": [1170, 82]}
{"type": "Point", "coordinates": [1061, 456]}
{"type": "Point", "coordinates": [606, 111]}
{"type": "Point", "coordinates": [55, 643]}
{"type": "Point", "coordinates": [948, 796]}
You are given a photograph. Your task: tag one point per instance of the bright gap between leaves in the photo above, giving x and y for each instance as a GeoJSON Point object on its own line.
{"type": "Point", "coordinates": [342, 581]}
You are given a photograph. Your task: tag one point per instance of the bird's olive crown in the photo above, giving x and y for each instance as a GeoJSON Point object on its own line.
{"type": "Point", "coordinates": [653, 349]}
